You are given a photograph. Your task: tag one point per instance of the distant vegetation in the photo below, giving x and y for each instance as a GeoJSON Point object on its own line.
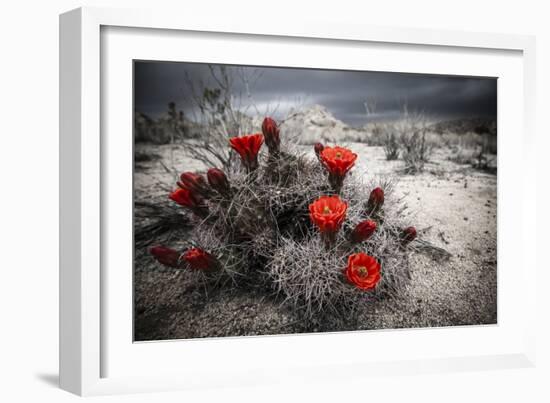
{"type": "Point", "coordinates": [411, 138]}
{"type": "Point", "coordinates": [470, 141]}
{"type": "Point", "coordinates": [167, 128]}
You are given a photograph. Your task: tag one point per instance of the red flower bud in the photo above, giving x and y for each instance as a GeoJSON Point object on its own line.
{"type": "Point", "coordinates": [166, 256]}
{"type": "Point", "coordinates": [408, 235]}
{"type": "Point", "coordinates": [184, 197]}
{"type": "Point", "coordinates": [376, 200]}
{"type": "Point", "coordinates": [199, 259]}
{"type": "Point", "coordinates": [248, 148]}
{"type": "Point", "coordinates": [271, 135]}
{"type": "Point", "coordinates": [195, 183]}
{"type": "Point", "coordinates": [218, 180]}
{"type": "Point", "coordinates": [363, 231]}
{"type": "Point", "coordinates": [318, 147]}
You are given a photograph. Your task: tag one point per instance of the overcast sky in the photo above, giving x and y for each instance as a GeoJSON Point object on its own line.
{"type": "Point", "coordinates": [342, 92]}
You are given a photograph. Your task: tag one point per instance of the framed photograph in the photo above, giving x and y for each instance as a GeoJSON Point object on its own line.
{"type": "Point", "coordinates": [233, 201]}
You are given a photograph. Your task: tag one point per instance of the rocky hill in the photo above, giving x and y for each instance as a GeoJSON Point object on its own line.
{"type": "Point", "coordinates": [316, 123]}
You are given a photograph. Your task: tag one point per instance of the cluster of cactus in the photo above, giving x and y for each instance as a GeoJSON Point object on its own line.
{"type": "Point", "coordinates": [307, 229]}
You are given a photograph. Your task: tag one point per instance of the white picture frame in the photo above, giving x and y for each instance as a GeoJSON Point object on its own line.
{"type": "Point", "coordinates": [86, 341]}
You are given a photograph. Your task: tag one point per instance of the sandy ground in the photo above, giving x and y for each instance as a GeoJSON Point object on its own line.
{"type": "Point", "coordinates": [456, 203]}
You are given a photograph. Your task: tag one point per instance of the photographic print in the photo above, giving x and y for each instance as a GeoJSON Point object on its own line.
{"type": "Point", "coordinates": [274, 200]}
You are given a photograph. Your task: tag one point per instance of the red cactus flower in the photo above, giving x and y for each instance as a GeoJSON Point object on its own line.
{"type": "Point", "coordinates": [408, 235]}
{"type": "Point", "coordinates": [376, 200]}
{"type": "Point", "coordinates": [271, 135]}
{"type": "Point", "coordinates": [338, 161]}
{"type": "Point", "coordinates": [166, 256]}
{"type": "Point", "coordinates": [363, 271]}
{"type": "Point", "coordinates": [199, 259]}
{"type": "Point", "coordinates": [318, 147]}
{"type": "Point", "coordinates": [218, 180]}
{"type": "Point", "coordinates": [194, 183]}
{"type": "Point", "coordinates": [328, 213]}
{"type": "Point", "coordinates": [363, 231]}
{"type": "Point", "coordinates": [186, 198]}
{"type": "Point", "coordinates": [248, 148]}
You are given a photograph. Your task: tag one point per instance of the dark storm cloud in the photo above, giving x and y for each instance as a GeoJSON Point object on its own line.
{"type": "Point", "coordinates": [342, 92]}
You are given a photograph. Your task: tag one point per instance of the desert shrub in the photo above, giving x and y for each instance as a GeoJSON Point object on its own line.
{"type": "Point", "coordinates": [410, 132]}
{"type": "Point", "coordinates": [434, 140]}
{"type": "Point", "coordinates": [377, 130]}
{"type": "Point", "coordinates": [471, 141]}
{"type": "Point", "coordinates": [490, 144]}
{"type": "Point", "coordinates": [377, 134]}
{"type": "Point", "coordinates": [462, 157]}
{"type": "Point", "coordinates": [416, 151]}
{"type": "Point", "coordinates": [321, 239]}
{"type": "Point", "coordinates": [162, 130]}
{"type": "Point", "coordinates": [464, 125]}
{"type": "Point", "coordinates": [477, 150]}
{"type": "Point", "coordinates": [484, 157]}
{"type": "Point", "coordinates": [391, 146]}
